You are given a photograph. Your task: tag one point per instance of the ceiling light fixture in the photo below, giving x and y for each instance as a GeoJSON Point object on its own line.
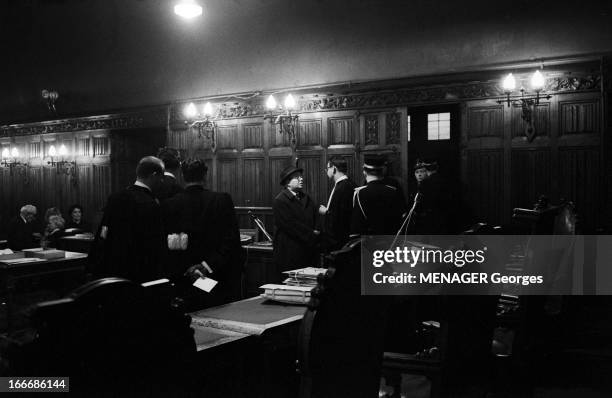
{"type": "Point", "coordinates": [188, 9]}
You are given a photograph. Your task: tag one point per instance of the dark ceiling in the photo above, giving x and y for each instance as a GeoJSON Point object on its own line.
{"type": "Point", "coordinates": [103, 55]}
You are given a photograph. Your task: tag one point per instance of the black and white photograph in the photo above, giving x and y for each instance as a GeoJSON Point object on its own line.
{"type": "Point", "coordinates": [306, 198]}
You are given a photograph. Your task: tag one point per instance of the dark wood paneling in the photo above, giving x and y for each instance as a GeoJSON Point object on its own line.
{"type": "Point", "coordinates": [392, 128]}
{"type": "Point", "coordinates": [309, 133]}
{"type": "Point", "coordinates": [485, 121]}
{"type": "Point", "coordinates": [485, 184]}
{"type": "Point", "coordinates": [341, 131]}
{"type": "Point", "coordinates": [579, 117]}
{"type": "Point", "coordinates": [101, 185]}
{"type": "Point", "coordinates": [579, 182]}
{"type": "Point", "coordinates": [253, 135]}
{"type": "Point", "coordinates": [227, 177]}
{"type": "Point", "coordinates": [531, 176]}
{"type": "Point", "coordinates": [227, 137]}
{"type": "Point", "coordinates": [371, 130]}
{"type": "Point", "coordinates": [253, 181]}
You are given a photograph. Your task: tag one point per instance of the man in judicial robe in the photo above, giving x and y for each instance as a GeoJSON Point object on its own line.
{"type": "Point", "coordinates": [210, 244]}
{"type": "Point", "coordinates": [378, 208]}
{"type": "Point", "coordinates": [339, 206]}
{"type": "Point", "coordinates": [169, 186]}
{"type": "Point", "coordinates": [130, 241]}
{"type": "Point", "coordinates": [295, 214]}
{"type": "Point", "coordinates": [21, 228]}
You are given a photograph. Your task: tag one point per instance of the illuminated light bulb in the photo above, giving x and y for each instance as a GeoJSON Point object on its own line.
{"type": "Point", "coordinates": [509, 83]}
{"type": "Point", "coordinates": [537, 81]}
{"type": "Point", "coordinates": [271, 103]}
{"type": "Point", "coordinates": [15, 153]}
{"type": "Point", "coordinates": [190, 111]}
{"type": "Point", "coordinates": [6, 153]}
{"type": "Point", "coordinates": [188, 9]}
{"type": "Point", "coordinates": [52, 151]}
{"type": "Point", "coordinates": [208, 109]}
{"type": "Point", "coordinates": [63, 151]}
{"type": "Point", "coordinates": [289, 102]}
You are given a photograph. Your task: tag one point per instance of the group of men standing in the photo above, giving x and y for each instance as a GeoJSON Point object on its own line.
{"type": "Point", "coordinates": [377, 208]}
{"type": "Point", "coordinates": [155, 228]}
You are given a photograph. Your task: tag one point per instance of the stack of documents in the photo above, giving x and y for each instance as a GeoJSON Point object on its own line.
{"type": "Point", "coordinates": [303, 276]}
{"type": "Point", "coordinates": [287, 294]}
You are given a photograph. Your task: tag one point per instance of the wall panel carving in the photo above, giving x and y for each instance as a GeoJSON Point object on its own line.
{"type": "Point", "coordinates": [485, 121]}
{"type": "Point", "coordinates": [541, 120]}
{"type": "Point", "coordinates": [341, 131]}
{"type": "Point", "coordinates": [227, 137]}
{"type": "Point", "coordinates": [579, 117]}
{"type": "Point", "coordinates": [253, 135]}
{"type": "Point", "coordinates": [253, 181]}
{"type": "Point", "coordinates": [485, 184]}
{"type": "Point", "coordinates": [371, 130]}
{"type": "Point", "coordinates": [531, 176]}
{"type": "Point", "coordinates": [309, 133]}
{"type": "Point", "coordinates": [227, 178]}
{"type": "Point", "coordinates": [579, 182]}
{"type": "Point", "coordinates": [392, 129]}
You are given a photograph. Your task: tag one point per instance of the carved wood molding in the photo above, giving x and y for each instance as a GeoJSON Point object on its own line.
{"type": "Point", "coordinates": [149, 118]}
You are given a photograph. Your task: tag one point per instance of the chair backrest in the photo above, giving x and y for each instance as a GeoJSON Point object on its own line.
{"type": "Point", "coordinates": [113, 330]}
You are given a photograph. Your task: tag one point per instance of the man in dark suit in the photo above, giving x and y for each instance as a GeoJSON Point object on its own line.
{"type": "Point", "coordinates": [169, 185]}
{"type": "Point", "coordinates": [20, 229]}
{"type": "Point", "coordinates": [131, 239]}
{"type": "Point", "coordinates": [378, 208]}
{"type": "Point", "coordinates": [296, 237]}
{"type": "Point", "coordinates": [339, 206]}
{"type": "Point", "coordinates": [212, 246]}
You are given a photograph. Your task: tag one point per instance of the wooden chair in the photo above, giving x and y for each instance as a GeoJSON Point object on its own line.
{"type": "Point", "coordinates": [112, 335]}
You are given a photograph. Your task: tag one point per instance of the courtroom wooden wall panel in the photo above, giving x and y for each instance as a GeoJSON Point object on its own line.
{"type": "Point", "coordinates": [485, 185]}
{"type": "Point", "coordinates": [254, 182]}
{"type": "Point", "coordinates": [485, 121]}
{"type": "Point", "coordinates": [531, 176]}
{"type": "Point", "coordinates": [579, 184]}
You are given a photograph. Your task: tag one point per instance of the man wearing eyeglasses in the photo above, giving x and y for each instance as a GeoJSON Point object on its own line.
{"type": "Point", "coordinates": [339, 206]}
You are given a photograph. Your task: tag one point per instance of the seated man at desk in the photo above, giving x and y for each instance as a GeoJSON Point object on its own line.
{"type": "Point", "coordinates": [21, 229]}
{"type": "Point", "coordinates": [210, 240]}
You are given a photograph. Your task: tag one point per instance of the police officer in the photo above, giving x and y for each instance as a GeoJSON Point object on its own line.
{"type": "Point", "coordinates": [378, 208]}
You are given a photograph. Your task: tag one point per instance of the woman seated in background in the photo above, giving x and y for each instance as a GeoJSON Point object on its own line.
{"type": "Point", "coordinates": [75, 219]}
{"type": "Point", "coordinates": [53, 230]}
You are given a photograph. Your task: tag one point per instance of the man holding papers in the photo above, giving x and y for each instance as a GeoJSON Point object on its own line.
{"type": "Point", "coordinates": [205, 256]}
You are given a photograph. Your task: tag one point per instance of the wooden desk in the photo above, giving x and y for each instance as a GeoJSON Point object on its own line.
{"type": "Point", "coordinates": [75, 244]}
{"type": "Point", "coordinates": [72, 267]}
{"type": "Point", "coordinates": [254, 340]}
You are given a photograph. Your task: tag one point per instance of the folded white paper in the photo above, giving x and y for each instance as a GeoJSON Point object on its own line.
{"type": "Point", "coordinates": [205, 284]}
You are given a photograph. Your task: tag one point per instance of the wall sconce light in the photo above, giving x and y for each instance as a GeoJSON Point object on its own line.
{"type": "Point", "coordinates": [528, 103]}
{"type": "Point", "coordinates": [286, 121]}
{"type": "Point", "coordinates": [207, 128]}
{"type": "Point", "coordinates": [50, 96]}
{"type": "Point", "coordinates": [63, 166]}
{"type": "Point", "coordinates": [10, 161]}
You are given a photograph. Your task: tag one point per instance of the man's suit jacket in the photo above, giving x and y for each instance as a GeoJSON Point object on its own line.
{"type": "Point", "coordinates": [209, 220]}
{"type": "Point", "coordinates": [338, 217]}
{"type": "Point", "coordinates": [295, 244]}
{"type": "Point", "coordinates": [167, 188]}
{"type": "Point", "coordinates": [20, 234]}
{"type": "Point", "coordinates": [134, 244]}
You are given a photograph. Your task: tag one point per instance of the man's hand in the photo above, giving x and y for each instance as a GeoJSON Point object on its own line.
{"type": "Point", "coordinates": [322, 210]}
{"type": "Point", "coordinates": [198, 271]}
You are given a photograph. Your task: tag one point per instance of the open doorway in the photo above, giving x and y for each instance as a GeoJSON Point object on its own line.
{"type": "Point", "coordinates": [434, 135]}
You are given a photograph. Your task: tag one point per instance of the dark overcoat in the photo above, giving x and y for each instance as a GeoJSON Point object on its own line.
{"type": "Point", "coordinates": [209, 219]}
{"type": "Point", "coordinates": [167, 188]}
{"type": "Point", "coordinates": [134, 243]}
{"type": "Point", "coordinates": [295, 243]}
{"type": "Point", "coordinates": [19, 234]}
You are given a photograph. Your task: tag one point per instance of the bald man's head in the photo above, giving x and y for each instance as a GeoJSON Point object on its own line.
{"type": "Point", "coordinates": [149, 166]}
